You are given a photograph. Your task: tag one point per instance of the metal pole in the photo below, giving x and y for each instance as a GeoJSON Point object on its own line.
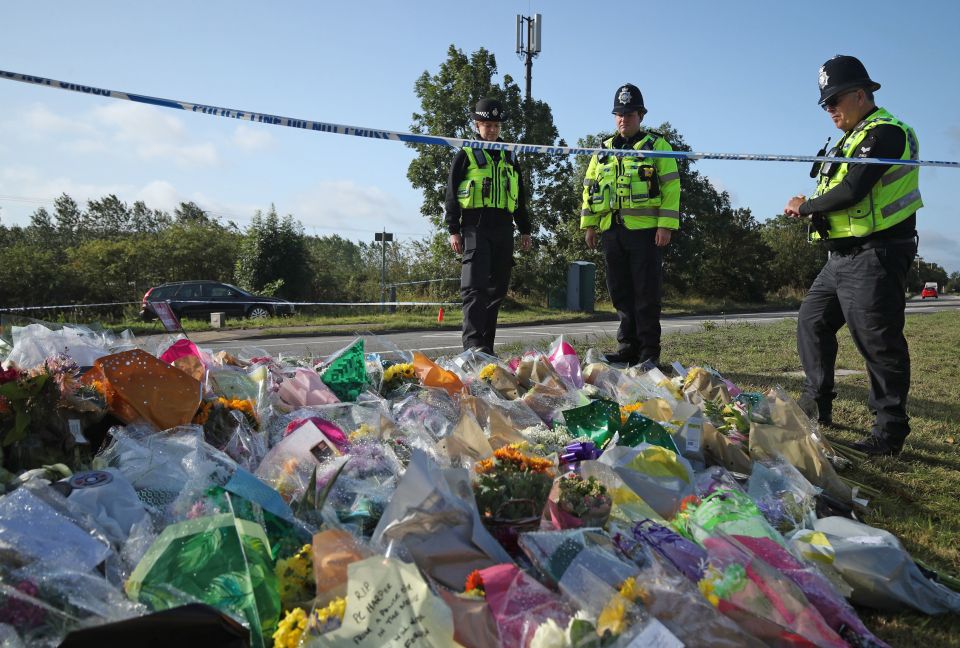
{"type": "Point", "coordinates": [529, 56]}
{"type": "Point", "coordinates": [383, 268]}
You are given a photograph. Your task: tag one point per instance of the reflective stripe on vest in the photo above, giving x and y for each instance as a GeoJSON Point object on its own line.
{"type": "Point", "coordinates": [891, 200]}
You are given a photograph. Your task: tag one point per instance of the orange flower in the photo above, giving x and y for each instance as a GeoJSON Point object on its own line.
{"type": "Point", "coordinates": [474, 582]}
{"type": "Point", "coordinates": [203, 412]}
{"type": "Point", "coordinates": [625, 411]}
{"type": "Point", "coordinates": [512, 458]}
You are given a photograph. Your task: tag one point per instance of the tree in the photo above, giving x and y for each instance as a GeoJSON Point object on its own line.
{"type": "Point", "coordinates": [922, 271]}
{"type": "Point", "coordinates": [341, 273]}
{"type": "Point", "coordinates": [274, 250]}
{"type": "Point", "coordinates": [108, 217]}
{"type": "Point", "coordinates": [794, 261]}
{"type": "Point", "coordinates": [953, 283]}
{"type": "Point", "coordinates": [68, 217]}
{"type": "Point", "coordinates": [446, 99]}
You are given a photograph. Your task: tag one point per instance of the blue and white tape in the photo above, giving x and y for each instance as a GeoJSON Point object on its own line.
{"type": "Point", "coordinates": [415, 138]}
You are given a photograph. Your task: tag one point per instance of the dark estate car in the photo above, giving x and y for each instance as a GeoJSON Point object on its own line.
{"type": "Point", "coordinates": [200, 298]}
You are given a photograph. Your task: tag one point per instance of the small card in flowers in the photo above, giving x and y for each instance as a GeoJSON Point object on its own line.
{"type": "Point", "coordinates": [390, 605]}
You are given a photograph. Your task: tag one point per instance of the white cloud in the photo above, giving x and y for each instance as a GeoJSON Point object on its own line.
{"type": "Point", "coordinates": [251, 139]}
{"type": "Point", "coordinates": [118, 130]}
{"type": "Point", "coordinates": [160, 194]}
{"type": "Point", "coordinates": [153, 134]}
{"type": "Point", "coordinates": [40, 120]}
{"type": "Point", "coordinates": [343, 205]}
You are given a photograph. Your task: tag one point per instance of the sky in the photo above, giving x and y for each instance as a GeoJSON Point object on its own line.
{"type": "Point", "coordinates": [730, 76]}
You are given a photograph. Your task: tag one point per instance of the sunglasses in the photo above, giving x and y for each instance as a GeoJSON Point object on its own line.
{"type": "Point", "coordinates": [833, 101]}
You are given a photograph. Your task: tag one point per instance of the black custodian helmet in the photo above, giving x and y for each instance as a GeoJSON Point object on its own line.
{"type": "Point", "coordinates": [628, 99]}
{"type": "Point", "coordinates": [488, 110]}
{"type": "Point", "coordinates": [842, 73]}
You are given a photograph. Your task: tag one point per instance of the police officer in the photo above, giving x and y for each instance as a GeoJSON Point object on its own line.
{"type": "Point", "coordinates": [865, 216]}
{"type": "Point", "coordinates": [632, 204]}
{"type": "Point", "coordinates": [485, 195]}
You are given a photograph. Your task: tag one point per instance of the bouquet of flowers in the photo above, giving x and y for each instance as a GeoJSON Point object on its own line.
{"type": "Point", "coordinates": [396, 375]}
{"type": "Point", "coordinates": [44, 412]}
{"type": "Point", "coordinates": [576, 502]}
{"type": "Point", "coordinates": [511, 489]}
{"type": "Point", "coordinates": [501, 380]}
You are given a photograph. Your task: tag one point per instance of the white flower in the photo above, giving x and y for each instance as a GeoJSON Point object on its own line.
{"type": "Point", "coordinates": [550, 635]}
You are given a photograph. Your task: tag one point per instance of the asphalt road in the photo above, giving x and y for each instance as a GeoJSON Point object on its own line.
{"type": "Point", "coordinates": [448, 342]}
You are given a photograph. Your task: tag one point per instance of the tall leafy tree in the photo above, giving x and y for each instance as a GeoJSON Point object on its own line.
{"type": "Point", "coordinates": [794, 261]}
{"type": "Point", "coordinates": [273, 252]}
{"type": "Point", "coordinates": [447, 98]}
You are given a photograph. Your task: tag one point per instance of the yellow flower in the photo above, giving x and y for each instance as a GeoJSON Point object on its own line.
{"type": "Point", "coordinates": [290, 629]}
{"type": "Point", "coordinates": [335, 609]}
{"type": "Point", "coordinates": [295, 576]}
{"type": "Point", "coordinates": [487, 372]}
{"type": "Point", "coordinates": [362, 432]}
{"type": "Point", "coordinates": [692, 375]}
{"type": "Point", "coordinates": [612, 617]}
{"type": "Point", "coordinates": [399, 371]}
{"type": "Point", "coordinates": [631, 591]}
{"type": "Point", "coordinates": [706, 588]}
{"type": "Point", "coordinates": [627, 409]}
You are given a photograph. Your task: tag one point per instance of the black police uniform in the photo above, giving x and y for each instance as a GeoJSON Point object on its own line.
{"type": "Point", "coordinates": [862, 285]}
{"type": "Point", "coordinates": [634, 269]}
{"type": "Point", "coordinates": [487, 255]}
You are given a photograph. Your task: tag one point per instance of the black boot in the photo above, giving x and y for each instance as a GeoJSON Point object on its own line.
{"type": "Point", "coordinates": [622, 357]}
{"type": "Point", "coordinates": [875, 446]}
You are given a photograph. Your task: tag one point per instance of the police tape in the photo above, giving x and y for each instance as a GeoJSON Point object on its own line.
{"type": "Point", "coordinates": [454, 142]}
{"type": "Point", "coordinates": [18, 309]}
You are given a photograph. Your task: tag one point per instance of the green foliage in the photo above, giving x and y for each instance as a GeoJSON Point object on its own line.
{"type": "Point", "coordinates": [794, 262]}
{"type": "Point", "coordinates": [274, 249]}
{"type": "Point", "coordinates": [446, 99]}
{"type": "Point", "coordinates": [718, 250]}
{"type": "Point", "coordinates": [923, 271]}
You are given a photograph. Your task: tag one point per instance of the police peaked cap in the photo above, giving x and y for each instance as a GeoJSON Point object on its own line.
{"type": "Point", "coordinates": [488, 110]}
{"type": "Point", "coordinates": [627, 99]}
{"type": "Point", "coordinates": [842, 73]}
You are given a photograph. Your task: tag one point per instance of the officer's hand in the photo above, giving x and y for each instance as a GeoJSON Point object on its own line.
{"type": "Point", "coordinates": [456, 242]}
{"type": "Point", "coordinates": [793, 206]}
{"type": "Point", "coordinates": [662, 237]}
{"type": "Point", "coordinates": [525, 243]}
{"type": "Point", "coordinates": [591, 237]}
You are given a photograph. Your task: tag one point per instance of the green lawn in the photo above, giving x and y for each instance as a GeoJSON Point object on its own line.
{"type": "Point", "coordinates": [921, 488]}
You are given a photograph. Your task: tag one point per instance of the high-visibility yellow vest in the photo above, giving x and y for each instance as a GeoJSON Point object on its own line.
{"type": "Point", "coordinates": [893, 199]}
{"type": "Point", "coordinates": [489, 182]}
{"type": "Point", "coordinates": [645, 192]}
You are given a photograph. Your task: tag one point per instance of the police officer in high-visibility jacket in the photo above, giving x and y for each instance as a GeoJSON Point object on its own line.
{"type": "Point", "coordinates": [865, 216]}
{"type": "Point", "coordinates": [632, 204]}
{"type": "Point", "coordinates": [485, 195]}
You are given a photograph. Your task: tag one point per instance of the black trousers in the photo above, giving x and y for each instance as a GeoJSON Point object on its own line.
{"type": "Point", "coordinates": [635, 280]}
{"type": "Point", "coordinates": [484, 279]}
{"type": "Point", "coordinates": [863, 289]}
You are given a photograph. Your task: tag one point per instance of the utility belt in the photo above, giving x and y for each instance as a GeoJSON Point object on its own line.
{"type": "Point", "coordinates": [875, 244]}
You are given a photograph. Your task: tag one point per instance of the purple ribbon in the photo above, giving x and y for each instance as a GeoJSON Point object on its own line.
{"type": "Point", "coordinates": [579, 451]}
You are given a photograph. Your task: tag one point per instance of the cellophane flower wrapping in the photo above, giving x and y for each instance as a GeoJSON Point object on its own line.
{"type": "Point", "coordinates": [520, 604]}
{"type": "Point", "coordinates": [674, 598]}
{"type": "Point", "coordinates": [759, 598]}
{"type": "Point", "coordinates": [563, 358]}
{"type": "Point", "coordinates": [576, 502]}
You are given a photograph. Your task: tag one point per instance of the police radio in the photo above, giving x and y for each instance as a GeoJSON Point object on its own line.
{"type": "Point", "coordinates": [815, 170]}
